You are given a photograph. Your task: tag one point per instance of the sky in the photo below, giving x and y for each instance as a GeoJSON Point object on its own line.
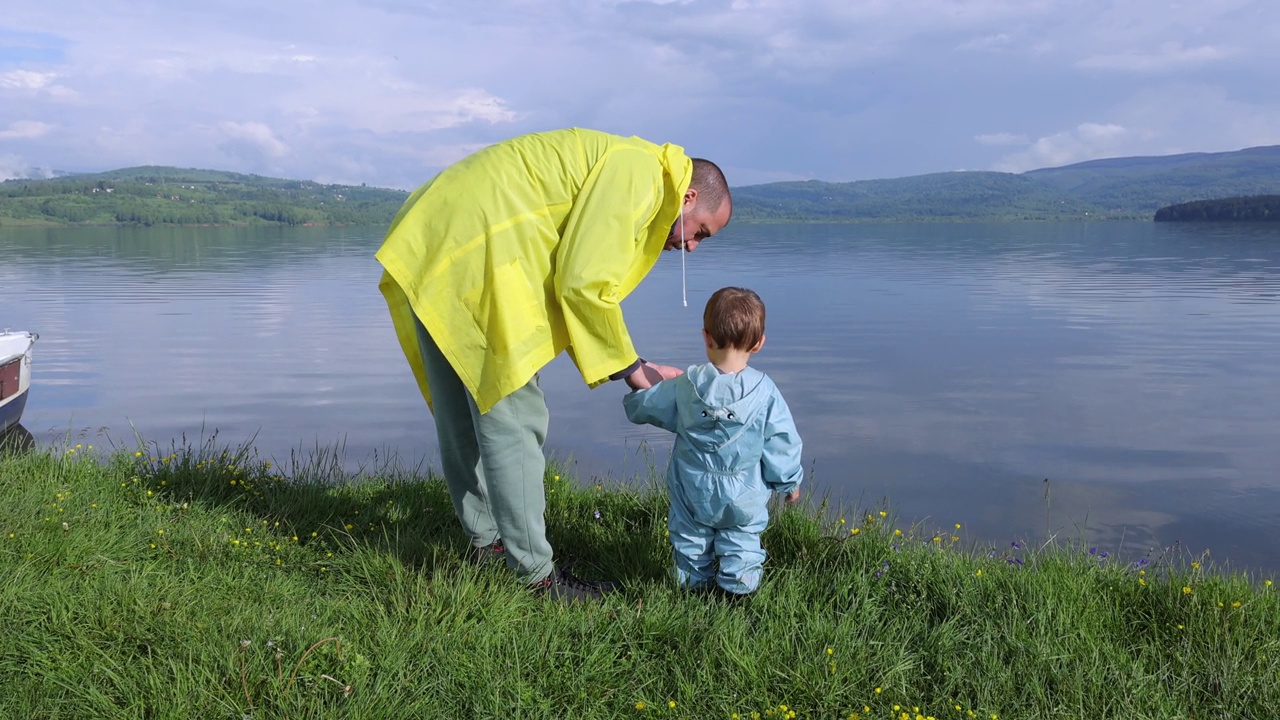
{"type": "Point", "coordinates": [388, 92]}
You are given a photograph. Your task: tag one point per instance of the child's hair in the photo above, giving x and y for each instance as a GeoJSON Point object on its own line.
{"type": "Point", "coordinates": [734, 317]}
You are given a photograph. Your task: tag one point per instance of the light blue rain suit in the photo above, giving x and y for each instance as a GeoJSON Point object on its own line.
{"type": "Point", "coordinates": [735, 444]}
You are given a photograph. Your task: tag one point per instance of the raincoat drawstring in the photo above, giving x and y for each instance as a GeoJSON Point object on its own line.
{"type": "Point", "coordinates": [684, 289]}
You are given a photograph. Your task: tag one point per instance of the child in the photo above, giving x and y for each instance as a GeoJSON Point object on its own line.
{"type": "Point", "coordinates": [735, 444]}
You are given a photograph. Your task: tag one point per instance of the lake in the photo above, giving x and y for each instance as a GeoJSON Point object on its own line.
{"type": "Point", "coordinates": [1114, 383]}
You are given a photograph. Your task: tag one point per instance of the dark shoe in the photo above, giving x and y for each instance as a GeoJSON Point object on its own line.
{"type": "Point", "coordinates": [728, 596]}
{"type": "Point", "coordinates": [563, 586]}
{"type": "Point", "coordinates": [495, 553]}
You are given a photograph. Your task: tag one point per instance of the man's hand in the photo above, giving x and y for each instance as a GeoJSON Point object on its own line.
{"type": "Point", "coordinates": [648, 375]}
{"type": "Point", "coordinates": [668, 372]}
{"type": "Point", "coordinates": [645, 377]}
{"type": "Point", "coordinates": [792, 497]}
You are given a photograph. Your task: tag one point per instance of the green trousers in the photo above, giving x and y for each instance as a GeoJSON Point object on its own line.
{"type": "Point", "coordinates": [493, 463]}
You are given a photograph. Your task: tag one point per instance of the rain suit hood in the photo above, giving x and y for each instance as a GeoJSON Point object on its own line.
{"type": "Point", "coordinates": [722, 407]}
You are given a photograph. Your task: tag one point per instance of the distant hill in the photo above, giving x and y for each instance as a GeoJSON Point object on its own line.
{"type": "Point", "coordinates": [175, 196]}
{"type": "Point", "coordinates": [1259, 208]}
{"type": "Point", "coordinates": [1132, 187]}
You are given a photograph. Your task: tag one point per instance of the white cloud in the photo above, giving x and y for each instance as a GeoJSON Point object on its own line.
{"type": "Point", "coordinates": [12, 166]}
{"type": "Point", "coordinates": [32, 82]}
{"type": "Point", "coordinates": [999, 41]}
{"type": "Point", "coordinates": [26, 79]}
{"type": "Point", "coordinates": [1000, 139]}
{"type": "Point", "coordinates": [1087, 141]}
{"type": "Point", "coordinates": [255, 137]}
{"type": "Point", "coordinates": [1170, 57]}
{"type": "Point", "coordinates": [25, 130]}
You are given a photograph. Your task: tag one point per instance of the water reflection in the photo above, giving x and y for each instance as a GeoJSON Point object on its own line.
{"type": "Point", "coordinates": [949, 369]}
{"type": "Point", "coordinates": [17, 439]}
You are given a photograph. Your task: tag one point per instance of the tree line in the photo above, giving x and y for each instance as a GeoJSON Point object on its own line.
{"type": "Point", "coordinates": [1257, 208]}
{"type": "Point", "coordinates": [166, 196]}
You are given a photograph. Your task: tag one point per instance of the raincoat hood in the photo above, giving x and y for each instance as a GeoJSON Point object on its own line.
{"type": "Point", "coordinates": [724, 405]}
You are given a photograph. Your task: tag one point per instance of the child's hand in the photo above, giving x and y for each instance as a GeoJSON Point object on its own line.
{"type": "Point", "coordinates": [792, 497]}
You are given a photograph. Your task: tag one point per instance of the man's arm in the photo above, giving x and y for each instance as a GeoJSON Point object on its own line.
{"type": "Point", "coordinates": [599, 243]}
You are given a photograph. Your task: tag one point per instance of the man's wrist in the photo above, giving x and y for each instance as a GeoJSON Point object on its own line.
{"type": "Point", "coordinates": [628, 371]}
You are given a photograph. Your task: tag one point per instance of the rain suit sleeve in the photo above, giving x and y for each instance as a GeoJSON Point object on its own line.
{"type": "Point", "coordinates": [600, 245]}
{"type": "Point", "coordinates": [653, 406]}
{"type": "Point", "coordinates": [780, 463]}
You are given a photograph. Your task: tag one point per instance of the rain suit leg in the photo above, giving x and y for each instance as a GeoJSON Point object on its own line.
{"type": "Point", "coordinates": [741, 557]}
{"type": "Point", "coordinates": [698, 545]}
{"type": "Point", "coordinates": [493, 463]}
{"type": "Point", "coordinates": [692, 547]}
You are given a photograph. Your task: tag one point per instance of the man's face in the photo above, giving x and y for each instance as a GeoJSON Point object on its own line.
{"type": "Point", "coordinates": [699, 223]}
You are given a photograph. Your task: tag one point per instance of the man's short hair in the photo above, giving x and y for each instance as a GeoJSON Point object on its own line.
{"type": "Point", "coordinates": [734, 317]}
{"type": "Point", "coordinates": [709, 181]}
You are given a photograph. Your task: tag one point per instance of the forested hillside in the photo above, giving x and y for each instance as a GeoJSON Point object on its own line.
{"type": "Point", "coordinates": [1131, 188]}
{"type": "Point", "coordinates": [172, 196]}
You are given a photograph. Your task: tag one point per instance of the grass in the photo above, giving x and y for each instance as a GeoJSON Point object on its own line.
{"type": "Point", "coordinates": [198, 582]}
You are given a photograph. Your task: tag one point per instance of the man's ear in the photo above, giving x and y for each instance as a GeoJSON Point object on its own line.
{"type": "Point", "coordinates": [690, 195]}
{"type": "Point", "coordinates": [759, 345]}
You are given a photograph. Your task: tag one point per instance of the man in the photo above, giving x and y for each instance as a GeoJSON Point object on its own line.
{"type": "Point", "coordinates": [505, 259]}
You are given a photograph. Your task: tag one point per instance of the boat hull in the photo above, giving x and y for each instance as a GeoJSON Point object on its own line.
{"type": "Point", "coordinates": [15, 375]}
{"type": "Point", "coordinates": [11, 410]}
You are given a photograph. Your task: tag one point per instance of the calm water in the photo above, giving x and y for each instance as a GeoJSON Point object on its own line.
{"type": "Point", "coordinates": [947, 369]}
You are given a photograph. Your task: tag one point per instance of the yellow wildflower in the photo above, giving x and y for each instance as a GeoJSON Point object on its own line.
{"type": "Point", "coordinates": [1186, 589]}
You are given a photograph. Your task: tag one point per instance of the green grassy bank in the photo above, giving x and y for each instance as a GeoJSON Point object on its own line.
{"type": "Point", "coordinates": [197, 582]}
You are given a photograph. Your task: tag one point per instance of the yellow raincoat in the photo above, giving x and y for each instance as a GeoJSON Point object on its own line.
{"type": "Point", "coordinates": [527, 248]}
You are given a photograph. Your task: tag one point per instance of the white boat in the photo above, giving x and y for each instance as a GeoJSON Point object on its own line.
{"type": "Point", "coordinates": [15, 375]}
